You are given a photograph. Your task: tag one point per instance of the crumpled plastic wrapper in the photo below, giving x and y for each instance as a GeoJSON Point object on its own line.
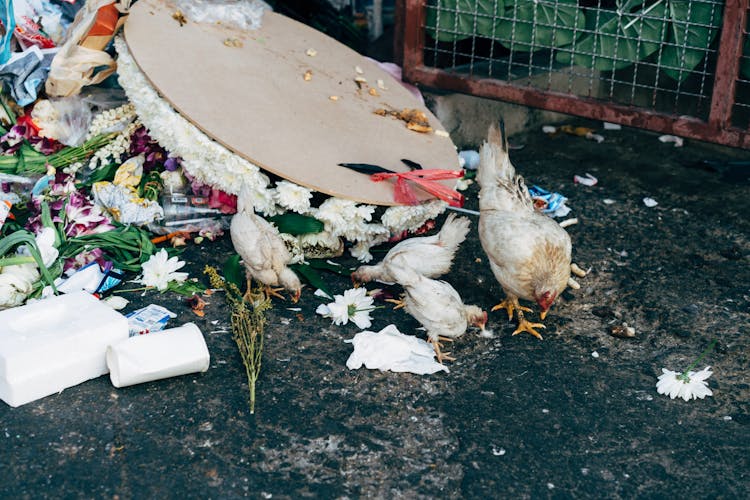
{"type": "Point", "coordinates": [66, 120]}
{"type": "Point", "coordinates": [391, 350]}
{"type": "Point", "coordinates": [552, 204]}
{"type": "Point", "coordinates": [123, 206]}
{"type": "Point", "coordinates": [120, 199]}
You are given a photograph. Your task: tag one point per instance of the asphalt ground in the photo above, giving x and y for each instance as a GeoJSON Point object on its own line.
{"type": "Point", "coordinates": [575, 415]}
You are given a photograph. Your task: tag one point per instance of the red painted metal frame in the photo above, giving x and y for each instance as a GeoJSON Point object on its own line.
{"type": "Point", "coordinates": [718, 128]}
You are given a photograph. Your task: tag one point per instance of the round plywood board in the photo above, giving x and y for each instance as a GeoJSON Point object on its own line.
{"type": "Point", "coordinates": [247, 91]}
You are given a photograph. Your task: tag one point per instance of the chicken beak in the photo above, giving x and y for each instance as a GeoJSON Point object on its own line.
{"type": "Point", "coordinates": [296, 296]}
{"type": "Point", "coordinates": [543, 314]}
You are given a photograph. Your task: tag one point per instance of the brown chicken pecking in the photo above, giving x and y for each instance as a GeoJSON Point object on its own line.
{"type": "Point", "coordinates": [529, 252]}
{"type": "Point", "coordinates": [262, 250]}
{"type": "Point", "coordinates": [437, 306]}
{"type": "Point", "coordinates": [430, 256]}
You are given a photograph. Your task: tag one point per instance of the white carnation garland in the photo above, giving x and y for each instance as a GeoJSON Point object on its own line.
{"type": "Point", "coordinates": [213, 164]}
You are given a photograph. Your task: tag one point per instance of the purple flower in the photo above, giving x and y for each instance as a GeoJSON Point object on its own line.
{"type": "Point", "coordinates": [84, 258]}
{"type": "Point", "coordinates": [155, 155]}
{"type": "Point", "coordinates": [172, 163]}
{"type": "Point", "coordinates": [11, 142]}
{"type": "Point", "coordinates": [80, 215]}
{"type": "Point", "coordinates": [86, 220]}
{"type": "Point", "coordinates": [45, 145]}
{"type": "Point", "coordinates": [198, 188]}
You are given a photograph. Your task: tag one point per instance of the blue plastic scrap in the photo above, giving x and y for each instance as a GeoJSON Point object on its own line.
{"type": "Point", "coordinates": [8, 18]}
{"type": "Point", "coordinates": [549, 203]}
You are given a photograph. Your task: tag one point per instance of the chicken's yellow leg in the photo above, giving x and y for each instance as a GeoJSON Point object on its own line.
{"type": "Point", "coordinates": [273, 292]}
{"type": "Point", "coordinates": [399, 302]}
{"type": "Point", "coordinates": [511, 304]}
{"type": "Point", "coordinates": [248, 296]}
{"type": "Point", "coordinates": [440, 355]}
{"type": "Point", "coordinates": [526, 326]}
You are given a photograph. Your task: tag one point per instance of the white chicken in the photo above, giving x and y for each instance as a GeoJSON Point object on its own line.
{"type": "Point", "coordinates": [263, 252]}
{"type": "Point", "coordinates": [437, 306]}
{"type": "Point", "coordinates": [529, 253]}
{"type": "Point", "coordinates": [430, 256]}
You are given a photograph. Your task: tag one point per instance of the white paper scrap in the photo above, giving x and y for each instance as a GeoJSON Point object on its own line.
{"type": "Point", "coordinates": [391, 350]}
{"type": "Point", "coordinates": [586, 180]}
{"type": "Point", "coordinates": [678, 141]}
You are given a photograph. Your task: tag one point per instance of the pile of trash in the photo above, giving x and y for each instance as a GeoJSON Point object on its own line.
{"type": "Point", "coordinates": [86, 198]}
{"type": "Point", "coordinates": [90, 199]}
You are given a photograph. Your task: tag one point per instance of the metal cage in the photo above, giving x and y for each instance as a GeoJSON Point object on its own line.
{"type": "Point", "coordinates": [674, 66]}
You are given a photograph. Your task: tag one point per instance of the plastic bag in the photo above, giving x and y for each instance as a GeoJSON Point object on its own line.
{"type": "Point", "coordinates": [76, 66]}
{"type": "Point", "coordinates": [67, 120]}
{"type": "Point", "coordinates": [30, 14]}
{"type": "Point", "coordinates": [242, 14]}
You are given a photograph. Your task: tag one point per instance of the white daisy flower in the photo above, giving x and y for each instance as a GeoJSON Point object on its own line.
{"type": "Point", "coordinates": [355, 306]}
{"type": "Point", "coordinates": [293, 197]}
{"type": "Point", "coordinates": [159, 270]}
{"type": "Point", "coordinates": [688, 386]}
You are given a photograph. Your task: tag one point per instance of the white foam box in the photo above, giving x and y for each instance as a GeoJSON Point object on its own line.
{"type": "Point", "coordinates": [53, 344]}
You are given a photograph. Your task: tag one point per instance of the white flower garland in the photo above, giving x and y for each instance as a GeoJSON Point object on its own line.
{"type": "Point", "coordinates": [213, 164]}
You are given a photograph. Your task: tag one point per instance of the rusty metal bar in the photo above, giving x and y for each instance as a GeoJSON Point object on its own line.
{"type": "Point", "coordinates": [717, 129]}
{"type": "Point", "coordinates": [631, 116]}
{"type": "Point", "coordinates": [413, 25]}
{"type": "Point", "coordinates": [728, 64]}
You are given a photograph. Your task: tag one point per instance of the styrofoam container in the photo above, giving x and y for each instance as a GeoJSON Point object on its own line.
{"type": "Point", "coordinates": [158, 355]}
{"type": "Point", "coordinates": [53, 344]}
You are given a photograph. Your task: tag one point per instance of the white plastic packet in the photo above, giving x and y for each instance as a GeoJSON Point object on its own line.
{"type": "Point", "coordinates": [158, 355]}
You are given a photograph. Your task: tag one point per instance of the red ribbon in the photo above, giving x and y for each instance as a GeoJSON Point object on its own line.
{"type": "Point", "coordinates": [425, 179]}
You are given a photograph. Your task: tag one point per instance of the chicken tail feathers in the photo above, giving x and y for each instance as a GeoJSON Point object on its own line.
{"type": "Point", "coordinates": [454, 231]}
{"type": "Point", "coordinates": [497, 176]}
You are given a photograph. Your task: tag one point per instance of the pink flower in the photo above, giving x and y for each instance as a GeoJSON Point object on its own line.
{"type": "Point", "coordinates": [87, 219]}
{"type": "Point", "coordinates": [225, 202]}
{"type": "Point", "coordinates": [82, 259]}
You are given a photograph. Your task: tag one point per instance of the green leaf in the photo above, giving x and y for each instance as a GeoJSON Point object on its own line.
{"type": "Point", "coordinates": [539, 24]}
{"type": "Point", "coordinates": [617, 41]}
{"type": "Point", "coordinates": [692, 30]}
{"type": "Point", "coordinates": [105, 173]}
{"type": "Point", "coordinates": [15, 260]}
{"type": "Point", "coordinates": [27, 238]}
{"type": "Point", "coordinates": [187, 288]}
{"type": "Point", "coordinates": [127, 246]}
{"type": "Point", "coordinates": [8, 164]}
{"type": "Point", "coordinates": [234, 272]}
{"type": "Point", "coordinates": [70, 155]}
{"type": "Point", "coordinates": [296, 224]}
{"type": "Point", "coordinates": [453, 20]}
{"type": "Point", "coordinates": [325, 266]}
{"type": "Point", "coordinates": [30, 160]}
{"type": "Point", "coordinates": [311, 276]}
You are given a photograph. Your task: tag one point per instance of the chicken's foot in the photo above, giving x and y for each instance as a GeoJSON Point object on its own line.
{"type": "Point", "coordinates": [441, 356]}
{"type": "Point", "coordinates": [273, 292]}
{"type": "Point", "coordinates": [527, 326]}
{"type": "Point", "coordinates": [249, 295]}
{"type": "Point", "coordinates": [399, 303]}
{"type": "Point", "coordinates": [511, 304]}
